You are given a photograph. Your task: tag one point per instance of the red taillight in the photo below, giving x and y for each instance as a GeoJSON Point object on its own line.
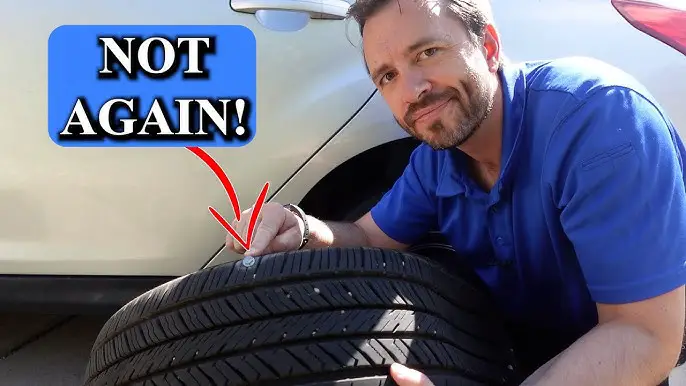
{"type": "Point", "coordinates": [657, 18]}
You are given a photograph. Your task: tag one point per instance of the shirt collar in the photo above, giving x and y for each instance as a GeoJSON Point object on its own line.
{"type": "Point", "coordinates": [452, 180]}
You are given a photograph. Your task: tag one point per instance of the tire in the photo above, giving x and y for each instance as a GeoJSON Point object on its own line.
{"type": "Point", "coordinates": [433, 245]}
{"type": "Point", "coordinates": [336, 316]}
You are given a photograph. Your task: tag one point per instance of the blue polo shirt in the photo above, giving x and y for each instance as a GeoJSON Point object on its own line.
{"type": "Point", "coordinates": [590, 205]}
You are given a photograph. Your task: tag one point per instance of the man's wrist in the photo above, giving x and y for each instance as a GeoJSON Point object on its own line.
{"type": "Point", "coordinates": [303, 220]}
{"type": "Point", "coordinates": [325, 234]}
{"type": "Point", "coordinates": [321, 235]}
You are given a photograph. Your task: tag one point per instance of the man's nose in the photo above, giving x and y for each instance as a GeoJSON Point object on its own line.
{"type": "Point", "coordinates": [415, 86]}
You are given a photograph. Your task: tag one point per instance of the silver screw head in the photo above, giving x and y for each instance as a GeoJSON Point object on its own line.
{"type": "Point", "coordinates": [248, 261]}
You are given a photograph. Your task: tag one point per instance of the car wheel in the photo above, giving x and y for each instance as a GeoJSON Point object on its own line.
{"type": "Point", "coordinates": [337, 316]}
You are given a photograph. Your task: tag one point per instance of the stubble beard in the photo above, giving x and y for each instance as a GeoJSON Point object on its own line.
{"type": "Point", "coordinates": [459, 128]}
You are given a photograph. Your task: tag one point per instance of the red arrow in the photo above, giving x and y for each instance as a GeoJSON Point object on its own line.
{"type": "Point", "coordinates": [231, 193]}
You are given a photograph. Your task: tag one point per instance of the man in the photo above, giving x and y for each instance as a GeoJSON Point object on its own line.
{"type": "Point", "coordinates": [564, 173]}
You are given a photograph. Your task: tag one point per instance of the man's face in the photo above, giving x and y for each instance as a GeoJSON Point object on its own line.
{"type": "Point", "coordinates": [436, 78]}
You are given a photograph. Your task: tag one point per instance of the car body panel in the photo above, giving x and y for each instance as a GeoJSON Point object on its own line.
{"type": "Point", "coordinates": [546, 29]}
{"type": "Point", "coordinates": [138, 211]}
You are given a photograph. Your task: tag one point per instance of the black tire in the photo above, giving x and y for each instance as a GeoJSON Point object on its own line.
{"type": "Point", "coordinates": [336, 316]}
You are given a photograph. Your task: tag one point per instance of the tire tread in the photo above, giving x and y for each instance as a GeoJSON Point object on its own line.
{"type": "Point", "coordinates": [344, 311]}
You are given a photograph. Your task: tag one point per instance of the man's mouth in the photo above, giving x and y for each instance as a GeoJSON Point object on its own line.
{"type": "Point", "coordinates": [429, 111]}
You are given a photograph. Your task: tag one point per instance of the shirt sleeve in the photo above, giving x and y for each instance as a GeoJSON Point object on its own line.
{"type": "Point", "coordinates": [619, 185]}
{"type": "Point", "coordinates": [408, 210]}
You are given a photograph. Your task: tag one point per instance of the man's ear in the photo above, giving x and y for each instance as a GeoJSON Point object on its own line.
{"type": "Point", "coordinates": [491, 47]}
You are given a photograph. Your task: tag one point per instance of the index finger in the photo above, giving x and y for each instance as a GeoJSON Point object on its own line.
{"type": "Point", "coordinates": [268, 228]}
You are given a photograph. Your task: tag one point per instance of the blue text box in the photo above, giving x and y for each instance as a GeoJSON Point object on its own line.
{"type": "Point", "coordinates": [76, 55]}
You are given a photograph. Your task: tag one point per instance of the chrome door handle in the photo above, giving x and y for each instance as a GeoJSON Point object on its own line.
{"type": "Point", "coordinates": [318, 9]}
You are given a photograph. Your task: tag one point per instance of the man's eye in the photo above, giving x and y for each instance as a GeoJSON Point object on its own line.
{"type": "Point", "coordinates": [428, 52]}
{"type": "Point", "coordinates": [387, 77]}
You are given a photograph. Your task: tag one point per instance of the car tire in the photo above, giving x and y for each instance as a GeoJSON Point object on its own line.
{"type": "Point", "coordinates": [336, 316]}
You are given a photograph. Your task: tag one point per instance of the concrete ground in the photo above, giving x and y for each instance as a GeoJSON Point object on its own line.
{"type": "Point", "coordinates": [52, 350]}
{"type": "Point", "coordinates": [45, 350]}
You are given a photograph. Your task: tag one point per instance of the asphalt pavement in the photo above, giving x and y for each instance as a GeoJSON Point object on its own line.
{"type": "Point", "coordinates": [52, 350]}
{"type": "Point", "coordinates": [45, 350]}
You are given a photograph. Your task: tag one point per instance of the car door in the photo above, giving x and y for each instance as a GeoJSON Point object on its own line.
{"type": "Point", "coordinates": [142, 211]}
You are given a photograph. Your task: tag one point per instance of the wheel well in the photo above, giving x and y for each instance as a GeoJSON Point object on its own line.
{"type": "Point", "coordinates": [360, 178]}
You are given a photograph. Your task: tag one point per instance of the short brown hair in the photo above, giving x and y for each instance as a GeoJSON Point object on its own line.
{"type": "Point", "coordinates": [474, 14]}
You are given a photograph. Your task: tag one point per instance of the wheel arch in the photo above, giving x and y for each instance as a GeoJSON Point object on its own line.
{"type": "Point", "coordinates": [361, 178]}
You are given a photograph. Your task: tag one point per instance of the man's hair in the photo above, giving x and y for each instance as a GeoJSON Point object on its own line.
{"type": "Point", "coordinates": [474, 14]}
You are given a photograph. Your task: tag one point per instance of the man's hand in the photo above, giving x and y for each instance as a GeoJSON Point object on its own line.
{"type": "Point", "coordinates": [405, 376]}
{"type": "Point", "coordinates": [277, 230]}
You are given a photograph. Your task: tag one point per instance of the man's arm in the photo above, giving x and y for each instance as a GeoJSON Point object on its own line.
{"type": "Point", "coordinates": [363, 232]}
{"type": "Point", "coordinates": [620, 189]}
{"type": "Point", "coordinates": [633, 344]}
{"type": "Point", "coordinates": [403, 214]}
